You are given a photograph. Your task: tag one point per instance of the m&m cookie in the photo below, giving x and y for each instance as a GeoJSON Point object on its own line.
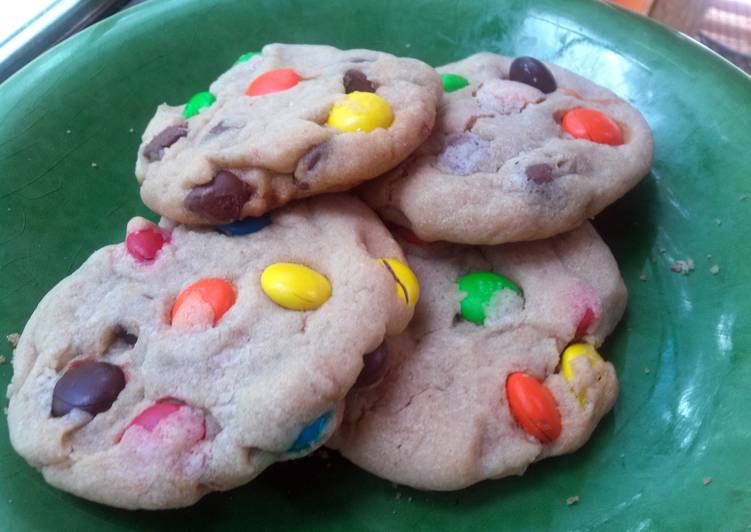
{"type": "Point", "coordinates": [184, 360]}
{"type": "Point", "coordinates": [521, 150]}
{"type": "Point", "coordinates": [289, 122]}
{"type": "Point", "coordinates": [499, 368]}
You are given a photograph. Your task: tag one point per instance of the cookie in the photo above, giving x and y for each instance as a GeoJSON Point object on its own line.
{"type": "Point", "coordinates": [520, 151]}
{"type": "Point", "coordinates": [186, 361]}
{"type": "Point", "coordinates": [498, 368]}
{"type": "Point", "coordinates": [290, 122]}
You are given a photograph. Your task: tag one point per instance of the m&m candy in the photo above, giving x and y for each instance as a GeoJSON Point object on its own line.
{"type": "Point", "coordinates": [277, 80]}
{"type": "Point", "coordinates": [145, 244]}
{"type": "Point", "coordinates": [453, 82]}
{"type": "Point", "coordinates": [294, 286]}
{"type": "Point", "coordinates": [480, 288]}
{"type": "Point", "coordinates": [574, 355]}
{"type": "Point", "coordinates": [407, 285]}
{"type": "Point", "coordinates": [592, 125]}
{"type": "Point", "coordinates": [247, 57]}
{"type": "Point", "coordinates": [533, 406]}
{"type": "Point", "coordinates": [91, 386]}
{"type": "Point", "coordinates": [361, 111]}
{"type": "Point", "coordinates": [311, 435]}
{"type": "Point", "coordinates": [198, 102]}
{"type": "Point", "coordinates": [533, 72]}
{"type": "Point", "coordinates": [203, 303]}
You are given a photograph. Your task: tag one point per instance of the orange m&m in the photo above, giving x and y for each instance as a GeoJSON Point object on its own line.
{"type": "Point", "coordinates": [592, 125]}
{"type": "Point", "coordinates": [533, 406]}
{"type": "Point", "coordinates": [203, 303]}
{"type": "Point", "coordinates": [276, 80]}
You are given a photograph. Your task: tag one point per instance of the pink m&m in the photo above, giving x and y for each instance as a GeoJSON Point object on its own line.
{"type": "Point", "coordinates": [188, 422]}
{"type": "Point", "coordinates": [144, 244]}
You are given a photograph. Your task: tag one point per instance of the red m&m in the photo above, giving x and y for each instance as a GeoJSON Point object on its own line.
{"type": "Point", "coordinates": [592, 125]}
{"type": "Point", "coordinates": [144, 245]}
{"type": "Point", "coordinates": [277, 80]}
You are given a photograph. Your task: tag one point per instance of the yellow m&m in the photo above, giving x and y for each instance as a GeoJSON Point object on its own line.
{"type": "Point", "coordinates": [407, 285]}
{"type": "Point", "coordinates": [294, 286]}
{"type": "Point", "coordinates": [361, 111]}
{"type": "Point", "coordinates": [573, 352]}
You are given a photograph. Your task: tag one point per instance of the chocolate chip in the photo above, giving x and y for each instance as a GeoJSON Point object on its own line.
{"type": "Point", "coordinates": [360, 60]}
{"type": "Point", "coordinates": [532, 72]}
{"type": "Point", "coordinates": [154, 150]}
{"type": "Point", "coordinates": [90, 386]}
{"type": "Point", "coordinates": [221, 200]}
{"type": "Point", "coordinates": [539, 173]}
{"type": "Point", "coordinates": [374, 367]}
{"type": "Point", "coordinates": [125, 336]}
{"type": "Point", "coordinates": [313, 157]}
{"type": "Point", "coordinates": [356, 80]}
{"type": "Point", "coordinates": [222, 127]}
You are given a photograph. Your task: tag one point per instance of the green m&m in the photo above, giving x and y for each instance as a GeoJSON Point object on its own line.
{"type": "Point", "coordinates": [480, 288]}
{"type": "Point", "coordinates": [453, 82]}
{"type": "Point", "coordinates": [246, 57]}
{"type": "Point", "coordinates": [198, 101]}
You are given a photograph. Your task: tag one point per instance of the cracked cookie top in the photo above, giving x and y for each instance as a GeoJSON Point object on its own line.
{"type": "Point", "coordinates": [290, 122]}
{"type": "Point", "coordinates": [184, 361]}
{"type": "Point", "coordinates": [520, 151]}
{"type": "Point", "coordinates": [498, 368]}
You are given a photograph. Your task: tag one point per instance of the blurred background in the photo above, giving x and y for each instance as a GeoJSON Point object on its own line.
{"type": "Point", "coordinates": [29, 27]}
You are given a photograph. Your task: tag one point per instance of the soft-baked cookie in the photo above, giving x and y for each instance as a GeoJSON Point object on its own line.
{"type": "Point", "coordinates": [291, 122]}
{"type": "Point", "coordinates": [482, 383]}
{"type": "Point", "coordinates": [185, 361]}
{"type": "Point", "coordinates": [520, 151]}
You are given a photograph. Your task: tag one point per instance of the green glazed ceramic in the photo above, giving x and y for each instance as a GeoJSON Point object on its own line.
{"type": "Point", "coordinates": [70, 128]}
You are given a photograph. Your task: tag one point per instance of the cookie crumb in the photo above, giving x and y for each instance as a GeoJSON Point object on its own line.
{"type": "Point", "coordinates": [718, 221]}
{"type": "Point", "coordinates": [131, 130]}
{"type": "Point", "coordinates": [707, 481]}
{"type": "Point", "coordinates": [647, 371]}
{"type": "Point", "coordinates": [13, 338]}
{"type": "Point", "coordinates": [742, 197]}
{"type": "Point", "coordinates": [68, 131]}
{"type": "Point", "coordinates": [714, 270]}
{"type": "Point", "coordinates": [2, 359]}
{"type": "Point", "coordinates": [409, 499]}
{"type": "Point", "coordinates": [643, 277]}
{"type": "Point", "coordinates": [709, 256]}
{"type": "Point", "coordinates": [684, 267]}
{"type": "Point", "coordinates": [572, 500]}
{"type": "Point", "coordinates": [93, 165]}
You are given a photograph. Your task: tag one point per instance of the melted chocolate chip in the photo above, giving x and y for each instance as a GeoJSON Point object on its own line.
{"type": "Point", "coordinates": [539, 173]}
{"type": "Point", "coordinates": [154, 150]}
{"type": "Point", "coordinates": [374, 367]}
{"type": "Point", "coordinates": [532, 72]}
{"type": "Point", "coordinates": [125, 336]}
{"type": "Point", "coordinates": [356, 80]}
{"type": "Point", "coordinates": [221, 200]}
{"type": "Point", "coordinates": [90, 386]}
{"type": "Point", "coordinates": [313, 157]}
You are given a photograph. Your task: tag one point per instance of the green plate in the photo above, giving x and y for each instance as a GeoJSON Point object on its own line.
{"type": "Point", "coordinates": [68, 138]}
